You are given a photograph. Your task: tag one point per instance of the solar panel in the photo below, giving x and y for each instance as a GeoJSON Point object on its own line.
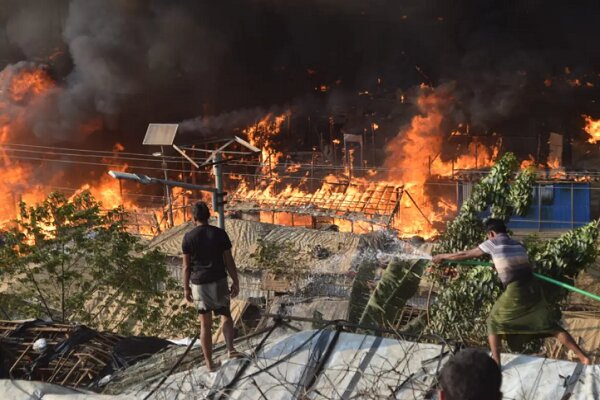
{"type": "Point", "coordinates": [160, 134]}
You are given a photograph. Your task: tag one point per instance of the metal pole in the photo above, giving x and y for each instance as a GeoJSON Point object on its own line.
{"type": "Point", "coordinates": [572, 208]}
{"type": "Point", "coordinates": [312, 172]}
{"type": "Point", "coordinates": [218, 171]}
{"type": "Point", "coordinates": [539, 190]}
{"type": "Point", "coordinates": [373, 150]}
{"type": "Point", "coordinates": [167, 190]}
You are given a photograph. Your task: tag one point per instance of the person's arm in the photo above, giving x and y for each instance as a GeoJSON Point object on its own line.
{"type": "Point", "coordinates": [187, 290]}
{"type": "Point", "coordinates": [458, 256]}
{"type": "Point", "coordinates": [232, 271]}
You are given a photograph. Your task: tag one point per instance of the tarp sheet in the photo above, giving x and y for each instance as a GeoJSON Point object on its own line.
{"type": "Point", "coordinates": [342, 246]}
{"type": "Point", "coordinates": [363, 366]}
{"type": "Point", "coordinates": [327, 364]}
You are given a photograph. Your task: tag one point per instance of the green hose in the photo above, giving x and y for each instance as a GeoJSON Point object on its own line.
{"type": "Point", "coordinates": [539, 276]}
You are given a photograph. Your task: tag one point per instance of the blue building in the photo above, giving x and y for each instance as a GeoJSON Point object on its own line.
{"type": "Point", "coordinates": [556, 205]}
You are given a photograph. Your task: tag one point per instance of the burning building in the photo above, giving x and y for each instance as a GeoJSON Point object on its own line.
{"type": "Point", "coordinates": [369, 114]}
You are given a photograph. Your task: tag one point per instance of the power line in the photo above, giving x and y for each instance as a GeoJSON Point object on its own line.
{"type": "Point", "coordinates": [82, 150]}
{"type": "Point", "coordinates": [114, 156]}
{"type": "Point", "coordinates": [261, 177]}
{"type": "Point", "coordinates": [177, 159]}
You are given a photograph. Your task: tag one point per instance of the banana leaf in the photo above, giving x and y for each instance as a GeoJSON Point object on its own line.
{"type": "Point", "coordinates": [399, 282]}
{"type": "Point", "coordinates": [359, 295]}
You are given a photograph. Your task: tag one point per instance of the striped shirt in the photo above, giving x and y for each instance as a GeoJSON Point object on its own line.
{"type": "Point", "coordinates": [509, 257]}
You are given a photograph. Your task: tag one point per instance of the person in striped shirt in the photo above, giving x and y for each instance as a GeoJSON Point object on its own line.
{"type": "Point", "coordinates": [521, 309]}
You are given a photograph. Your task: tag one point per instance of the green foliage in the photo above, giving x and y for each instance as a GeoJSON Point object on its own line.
{"type": "Point", "coordinates": [359, 294]}
{"type": "Point", "coordinates": [399, 282]}
{"type": "Point", "coordinates": [462, 306]}
{"type": "Point", "coordinates": [461, 309]}
{"type": "Point", "coordinates": [274, 256]}
{"type": "Point", "coordinates": [498, 190]}
{"type": "Point", "coordinates": [564, 257]}
{"type": "Point", "coordinates": [69, 261]}
{"type": "Point", "coordinates": [520, 195]}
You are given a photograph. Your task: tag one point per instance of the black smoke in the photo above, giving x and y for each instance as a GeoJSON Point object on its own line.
{"type": "Point", "coordinates": [514, 64]}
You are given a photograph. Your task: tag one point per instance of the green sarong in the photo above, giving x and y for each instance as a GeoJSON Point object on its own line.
{"type": "Point", "coordinates": [522, 310]}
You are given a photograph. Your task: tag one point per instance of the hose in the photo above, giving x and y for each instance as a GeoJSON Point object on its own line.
{"type": "Point", "coordinates": [539, 276]}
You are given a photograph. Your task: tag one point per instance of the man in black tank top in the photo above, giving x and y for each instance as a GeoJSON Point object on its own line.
{"type": "Point", "coordinates": [207, 260]}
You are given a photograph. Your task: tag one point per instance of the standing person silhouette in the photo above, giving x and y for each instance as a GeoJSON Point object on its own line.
{"type": "Point", "coordinates": [521, 309]}
{"type": "Point", "coordinates": [207, 260]}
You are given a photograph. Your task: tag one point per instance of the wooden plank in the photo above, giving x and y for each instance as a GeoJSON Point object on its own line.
{"type": "Point", "coordinates": [21, 356]}
{"type": "Point", "coordinates": [238, 306]}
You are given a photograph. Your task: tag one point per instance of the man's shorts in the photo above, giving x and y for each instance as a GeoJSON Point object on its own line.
{"type": "Point", "coordinates": [213, 297]}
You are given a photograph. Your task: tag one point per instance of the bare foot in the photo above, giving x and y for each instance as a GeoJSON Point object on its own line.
{"type": "Point", "coordinates": [213, 366]}
{"type": "Point", "coordinates": [586, 361]}
{"type": "Point", "coordinates": [233, 354]}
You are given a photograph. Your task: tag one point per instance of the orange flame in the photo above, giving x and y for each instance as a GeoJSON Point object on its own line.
{"type": "Point", "coordinates": [21, 89]}
{"type": "Point", "coordinates": [592, 127]}
{"type": "Point", "coordinates": [414, 156]}
{"type": "Point", "coordinates": [261, 135]}
{"type": "Point", "coordinates": [413, 159]}
{"type": "Point", "coordinates": [28, 83]}
{"type": "Point", "coordinates": [24, 86]}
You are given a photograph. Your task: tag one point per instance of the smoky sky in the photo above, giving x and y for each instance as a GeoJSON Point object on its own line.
{"type": "Point", "coordinates": [130, 62]}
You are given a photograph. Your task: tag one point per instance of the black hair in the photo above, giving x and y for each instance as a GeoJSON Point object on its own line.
{"type": "Point", "coordinates": [471, 375]}
{"type": "Point", "coordinates": [495, 225]}
{"type": "Point", "coordinates": [201, 212]}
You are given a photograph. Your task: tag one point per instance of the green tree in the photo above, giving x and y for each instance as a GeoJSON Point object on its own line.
{"type": "Point", "coordinates": [68, 260]}
{"type": "Point", "coordinates": [464, 302]}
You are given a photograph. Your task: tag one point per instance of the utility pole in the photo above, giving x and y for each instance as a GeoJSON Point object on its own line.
{"type": "Point", "coordinates": [219, 196]}
{"type": "Point", "coordinates": [167, 190]}
{"type": "Point", "coordinates": [164, 135]}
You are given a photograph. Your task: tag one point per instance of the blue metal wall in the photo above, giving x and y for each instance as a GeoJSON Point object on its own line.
{"type": "Point", "coordinates": [554, 206]}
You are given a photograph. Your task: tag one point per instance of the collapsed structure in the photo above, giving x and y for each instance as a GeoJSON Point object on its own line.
{"type": "Point", "coordinates": [68, 355]}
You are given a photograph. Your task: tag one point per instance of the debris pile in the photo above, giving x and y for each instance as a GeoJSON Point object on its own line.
{"type": "Point", "coordinates": [68, 355]}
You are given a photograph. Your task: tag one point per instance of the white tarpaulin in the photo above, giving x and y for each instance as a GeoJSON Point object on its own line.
{"type": "Point", "coordinates": [327, 364]}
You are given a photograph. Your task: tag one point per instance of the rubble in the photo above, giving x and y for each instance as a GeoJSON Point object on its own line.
{"type": "Point", "coordinates": [68, 355]}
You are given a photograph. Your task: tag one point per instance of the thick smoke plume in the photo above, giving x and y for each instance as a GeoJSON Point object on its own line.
{"type": "Point", "coordinates": [518, 68]}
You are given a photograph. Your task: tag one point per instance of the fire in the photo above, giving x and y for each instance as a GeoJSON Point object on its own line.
{"type": "Point", "coordinates": [19, 89]}
{"type": "Point", "coordinates": [27, 83]}
{"type": "Point", "coordinates": [530, 162]}
{"type": "Point", "coordinates": [22, 87]}
{"type": "Point", "coordinates": [261, 135]}
{"type": "Point", "coordinates": [413, 158]}
{"type": "Point", "coordinates": [592, 127]}
{"type": "Point", "coordinates": [554, 163]}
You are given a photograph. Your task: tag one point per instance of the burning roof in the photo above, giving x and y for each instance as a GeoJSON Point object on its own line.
{"type": "Point", "coordinates": [416, 91]}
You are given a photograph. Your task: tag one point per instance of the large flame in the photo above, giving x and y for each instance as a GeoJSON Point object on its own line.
{"type": "Point", "coordinates": [261, 135]}
{"type": "Point", "coordinates": [21, 89]}
{"type": "Point", "coordinates": [592, 127]}
{"type": "Point", "coordinates": [413, 158]}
